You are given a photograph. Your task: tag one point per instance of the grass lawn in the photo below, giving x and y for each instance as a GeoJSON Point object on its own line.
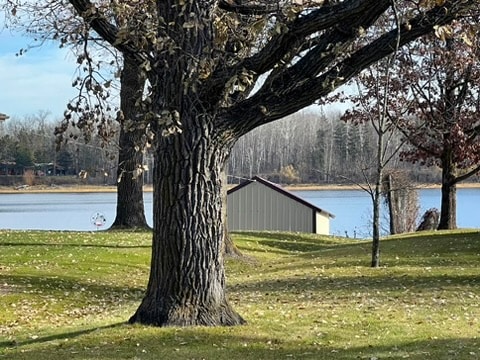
{"type": "Point", "coordinates": [67, 295]}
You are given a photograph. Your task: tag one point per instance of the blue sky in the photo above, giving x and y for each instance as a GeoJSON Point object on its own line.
{"type": "Point", "coordinates": [39, 80]}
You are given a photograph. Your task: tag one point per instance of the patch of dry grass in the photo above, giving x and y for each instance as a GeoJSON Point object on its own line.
{"type": "Point", "coordinates": [68, 295]}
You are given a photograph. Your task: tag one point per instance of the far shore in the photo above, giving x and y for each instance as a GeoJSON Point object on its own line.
{"type": "Point", "coordinates": [149, 188]}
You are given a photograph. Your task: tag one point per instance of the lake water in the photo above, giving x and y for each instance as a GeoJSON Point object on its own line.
{"type": "Point", "coordinates": [353, 208]}
{"type": "Point", "coordinates": [76, 211]}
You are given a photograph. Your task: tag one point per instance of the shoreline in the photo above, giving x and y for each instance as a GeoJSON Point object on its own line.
{"type": "Point", "coordinates": [148, 188]}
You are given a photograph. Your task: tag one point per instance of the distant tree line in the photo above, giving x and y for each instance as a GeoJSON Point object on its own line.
{"type": "Point", "coordinates": [315, 147]}
{"type": "Point", "coordinates": [28, 146]}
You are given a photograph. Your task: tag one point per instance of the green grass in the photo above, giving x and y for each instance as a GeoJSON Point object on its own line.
{"type": "Point", "coordinates": [67, 295]}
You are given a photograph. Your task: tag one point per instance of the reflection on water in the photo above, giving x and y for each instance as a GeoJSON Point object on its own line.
{"type": "Point", "coordinates": [72, 211]}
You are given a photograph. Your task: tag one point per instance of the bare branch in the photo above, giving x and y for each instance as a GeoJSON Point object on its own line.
{"type": "Point", "coordinates": [266, 106]}
{"type": "Point", "coordinates": [250, 7]}
{"type": "Point", "coordinates": [109, 32]}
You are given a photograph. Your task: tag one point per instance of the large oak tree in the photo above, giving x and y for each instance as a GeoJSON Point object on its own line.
{"type": "Point", "coordinates": [203, 60]}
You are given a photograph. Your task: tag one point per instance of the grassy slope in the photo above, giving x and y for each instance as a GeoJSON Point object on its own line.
{"type": "Point", "coordinates": [67, 295]}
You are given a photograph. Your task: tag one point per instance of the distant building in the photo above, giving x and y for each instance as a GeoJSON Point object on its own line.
{"type": "Point", "coordinates": [3, 117]}
{"type": "Point", "coordinates": [258, 204]}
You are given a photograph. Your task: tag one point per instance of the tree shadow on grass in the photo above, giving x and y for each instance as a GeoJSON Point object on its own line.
{"type": "Point", "coordinates": [432, 249]}
{"type": "Point", "coordinates": [441, 242]}
{"type": "Point", "coordinates": [204, 343]}
{"type": "Point", "coordinates": [57, 245]}
{"type": "Point", "coordinates": [59, 336]}
{"type": "Point", "coordinates": [55, 286]}
{"type": "Point", "coordinates": [281, 242]}
{"type": "Point", "coordinates": [352, 284]}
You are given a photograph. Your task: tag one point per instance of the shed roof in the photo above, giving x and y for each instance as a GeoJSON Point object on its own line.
{"type": "Point", "coordinates": [280, 190]}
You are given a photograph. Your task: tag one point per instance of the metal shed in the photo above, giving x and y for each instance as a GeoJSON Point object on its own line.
{"type": "Point", "coordinates": [258, 204]}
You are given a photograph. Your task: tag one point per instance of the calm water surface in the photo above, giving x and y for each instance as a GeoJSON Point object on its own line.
{"type": "Point", "coordinates": [59, 211]}
{"type": "Point", "coordinates": [352, 209]}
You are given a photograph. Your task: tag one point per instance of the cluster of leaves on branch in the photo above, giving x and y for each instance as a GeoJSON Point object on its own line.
{"type": "Point", "coordinates": [220, 54]}
{"type": "Point", "coordinates": [216, 52]}
{"type": "Point", "coordinates": [92, 111]}
{"type": "Point", "coordinates": [445, 109]}
{"type": "Point", "coordinates": [223, 51]}
{"type": "Point", "coordinates": [433, 99]}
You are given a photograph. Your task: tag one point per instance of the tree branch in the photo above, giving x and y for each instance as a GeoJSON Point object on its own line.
{"type": "Point", "coordinates": [321, 19]}
{"type": "Point", "coordinates": [331, 45]}
{"type": "Point", "coordinates": [107, 31]}
{"type": "Point", "coordinates": [250, 7]}
{"type": "Point", "coordinates": [266, 106]}
{"type": "Point", "coordinates": [466, 175]}
{"type": "Point", "coordinates": [292, 36]}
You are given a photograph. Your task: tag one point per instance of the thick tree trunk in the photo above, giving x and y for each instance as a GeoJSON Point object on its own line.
{"type": "Point", "coordinates": [187, 278]}
{"type": "Point", "coordinates": [448, 210]}
{"type": "Point", "coordinates": [130, 207]}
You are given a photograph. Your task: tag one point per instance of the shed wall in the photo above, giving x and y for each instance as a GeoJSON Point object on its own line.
{"type": "Point", "coordinates": [323, 223]}
{"type": "Point", "coordinates": [258, 207]}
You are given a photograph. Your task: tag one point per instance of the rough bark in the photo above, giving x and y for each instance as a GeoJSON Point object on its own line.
{"type": "Point", "coordinates": [130, 206]}
{"type": "Point", "coordinates": [230, 248]}
{"type": "Point", "coordinates": [448, 210]}
{"type": "Point", "coordinates": [130, 213]}
{"type": "Point", "coordinates": [187, 278]}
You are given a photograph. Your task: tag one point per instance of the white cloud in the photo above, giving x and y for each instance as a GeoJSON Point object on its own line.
{"type": "Point", "coordinates": [39, 80]}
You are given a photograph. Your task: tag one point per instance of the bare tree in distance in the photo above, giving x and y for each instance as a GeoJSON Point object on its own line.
{"type": "Point", "coordinates": [376, 81]}
{"type": "Point", "coordinates": [373, 171]}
